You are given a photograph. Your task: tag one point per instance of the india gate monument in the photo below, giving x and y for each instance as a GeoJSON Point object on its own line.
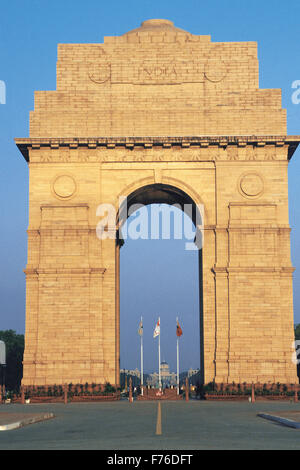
{"type": "Point", "coordinates": [158, 115]}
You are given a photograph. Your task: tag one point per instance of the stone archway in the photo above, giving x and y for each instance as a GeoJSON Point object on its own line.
{"type": "Point", "coordinates": [158, 106]}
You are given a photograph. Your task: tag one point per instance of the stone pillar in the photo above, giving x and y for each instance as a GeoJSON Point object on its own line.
{"type": "Point", "coordinates": [117, 292]}
{"type": "Point", "coordinates": [187, 391]}
{"type": "Point", "coordinates": [130, 391]}
{"type": "Point", "coordinates": [207, 306]}
{"type": "Point", "coordinates": [222, 325]}
{"type": "Point", "coordinates": [253, 393]}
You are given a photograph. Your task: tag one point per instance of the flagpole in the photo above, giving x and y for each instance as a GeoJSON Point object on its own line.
{"type": "Point", "coordinates": [177, 366]}
{"type": "Point", "coordinates": [142, 365]}
{"type": "Point", "coordinates": [159, 377]}
{"type": "Point", "coordinates": [177, 362]}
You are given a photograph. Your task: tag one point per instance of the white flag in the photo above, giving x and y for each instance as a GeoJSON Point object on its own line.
{"type": "Point", "coordinates": [157, 330]}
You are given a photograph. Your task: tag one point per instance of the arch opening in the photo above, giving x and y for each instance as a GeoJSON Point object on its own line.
{"type": "Point", "coordinates": [162, 194]}
{"type": "Point", "coordinates": [160, 274]}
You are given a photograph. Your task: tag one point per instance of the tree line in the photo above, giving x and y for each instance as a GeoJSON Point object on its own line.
{"type": "Point", "coordinates": [13, 371]}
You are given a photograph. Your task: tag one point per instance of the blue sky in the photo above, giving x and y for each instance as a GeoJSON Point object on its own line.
{"type": "Point", "coordinates": [29, 33]}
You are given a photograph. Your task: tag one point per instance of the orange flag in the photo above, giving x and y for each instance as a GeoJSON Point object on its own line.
{"type": "Point", "coordinates": [178, 329]}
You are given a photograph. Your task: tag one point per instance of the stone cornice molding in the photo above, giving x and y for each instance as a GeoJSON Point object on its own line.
{"type": "Point", "coordinates": [130, 143]}
{"type": "Point", "coordinates": [224, 270]}
{"type": "Point", "coordinates": [37, 271]}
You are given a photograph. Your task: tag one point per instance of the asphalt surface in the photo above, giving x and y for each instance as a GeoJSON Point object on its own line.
{"type": "Point", "coordinates": [122, 425]}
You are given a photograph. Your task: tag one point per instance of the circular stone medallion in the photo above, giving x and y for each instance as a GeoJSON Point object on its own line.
{"type": "Point", "coordinates": [215, 70]}
{"type": "Point", "coordinates": [251, 185]}
{"type": "Point", "coordinates": [99, 72]}
{"type": "Point", "coordinates": [64, 186]}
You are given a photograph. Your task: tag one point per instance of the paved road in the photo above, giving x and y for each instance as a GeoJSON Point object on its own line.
{"type": "Point", "coordinates": [121, 425]}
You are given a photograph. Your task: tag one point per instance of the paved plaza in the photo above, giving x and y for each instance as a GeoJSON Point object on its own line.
{"type": "Point", "coordinates": [193, 425]}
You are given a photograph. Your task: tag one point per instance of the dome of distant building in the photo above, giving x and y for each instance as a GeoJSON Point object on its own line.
{"type": "Point", "coordinates": [156, 25]}
{"type": "Point", "coordinates": [164, 368]}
